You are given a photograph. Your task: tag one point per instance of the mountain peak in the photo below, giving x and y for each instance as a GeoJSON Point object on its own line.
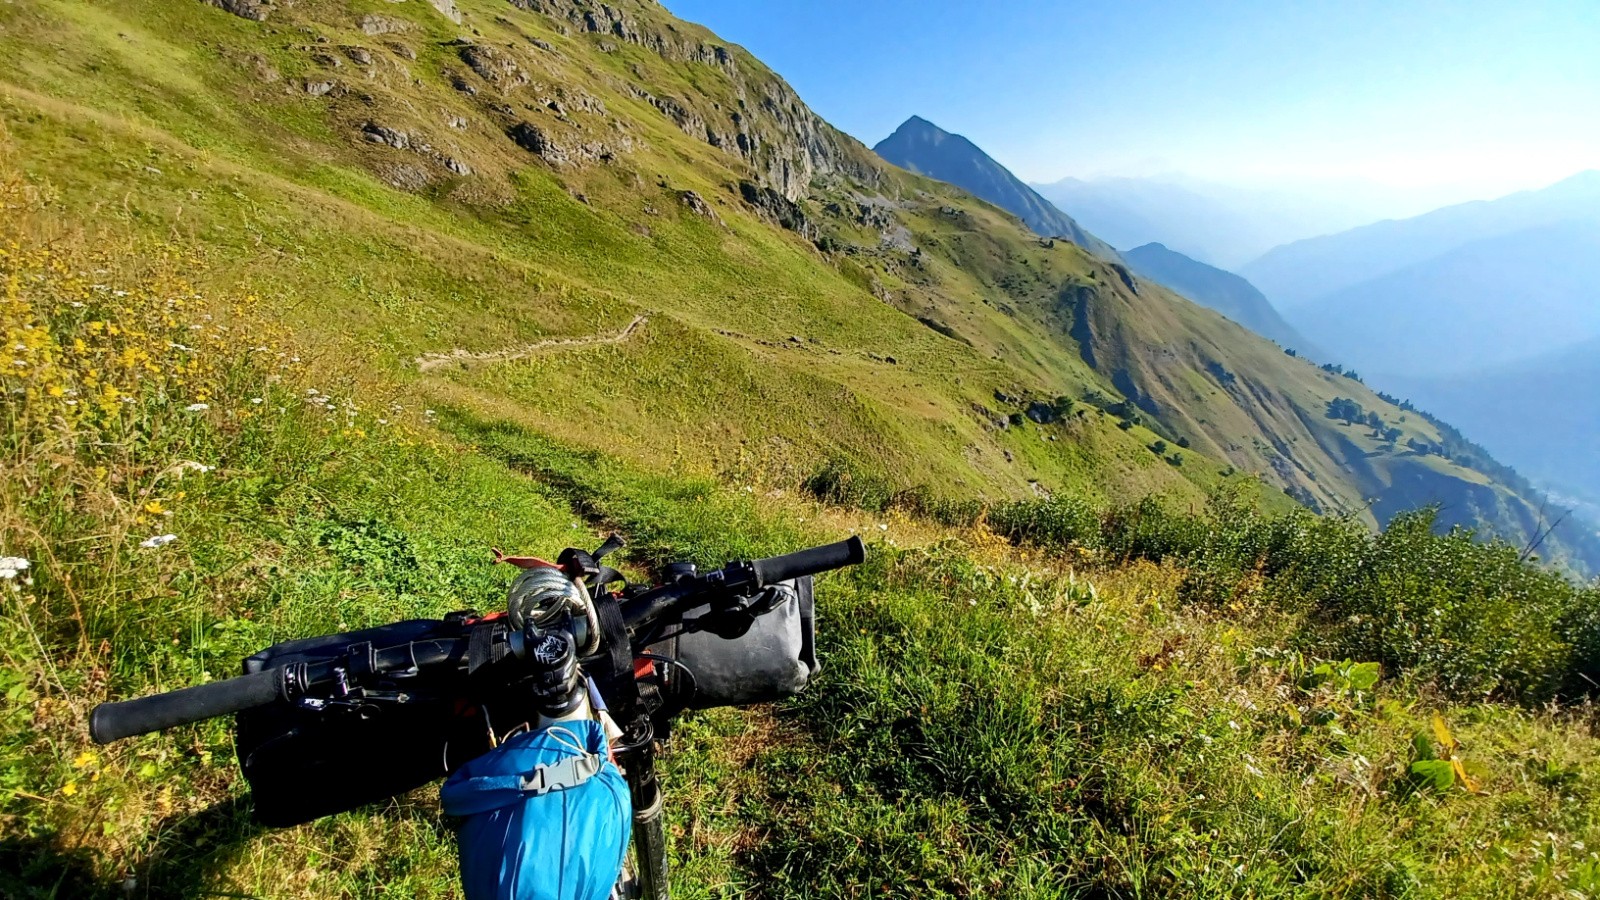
{"type": "Point", "coordinates": [923, 147]}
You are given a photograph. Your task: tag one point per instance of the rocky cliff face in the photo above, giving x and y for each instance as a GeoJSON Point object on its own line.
{"type": "Point", "coordinates": [786, 145]}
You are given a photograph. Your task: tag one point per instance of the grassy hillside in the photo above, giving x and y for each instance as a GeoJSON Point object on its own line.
{"type": "Point", "coordinates": [555, 172]}
{"type": "Point", "coordinates": [560, 269]}
{"type": "Point", "coordinates": [1123, 703]}
{"type": "Point", "coordinates": [1217, 289]}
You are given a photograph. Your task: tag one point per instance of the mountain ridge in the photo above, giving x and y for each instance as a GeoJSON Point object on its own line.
{"type": "Point", "coordinates": [1486, 303]}
{"type": "Point", "coordinates": [571, 167]}
{"type": "Point", "coordinates": [1296, 273]}
{"type": "Point", "coordinates": [1215, 224]}
{"type": "Point", "coordinates": [920, 146]}
{"type": "Point", "coordinates": [1218, 289]}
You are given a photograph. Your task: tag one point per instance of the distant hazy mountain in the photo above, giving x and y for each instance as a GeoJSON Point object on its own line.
{"type": "Point", "coordinates": [1303, 271]}
{"type": "Point", "coordinates": [1220, 290]}
{"type": "Point", "coordinates": [1215, 224]}
{"type": "Point", "coordinates": [1541, 416]}
{"type": "Point", "coordinates": [923, 147]}
{"type": "Point", "coordinates": [1482, 304]}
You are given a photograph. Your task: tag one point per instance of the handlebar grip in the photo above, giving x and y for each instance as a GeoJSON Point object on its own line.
{"type": "Point", "coordinates": [113, 721]}
{"type": "Point", "coordinates": [809, 562]}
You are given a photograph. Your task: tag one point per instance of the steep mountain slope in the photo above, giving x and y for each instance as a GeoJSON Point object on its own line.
{"type": "Point", "coordinates": [1539, 415]}
{"type": "Point", "coordinates": [1484, 304]}
{"type": "Point", "coordinates": [1216, 289]}
{"type": "Point", "coordinates": [605, 224]}
{"type": "Point", "coordinates": [1221, 226]}
{"type": "Point", "coordinates": [923, 147]}
{"type": "Point", "coordinates": [1317, 267]}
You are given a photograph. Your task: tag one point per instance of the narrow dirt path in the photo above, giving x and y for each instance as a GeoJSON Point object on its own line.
{"type": "Point", "coordinates": [429, 361]}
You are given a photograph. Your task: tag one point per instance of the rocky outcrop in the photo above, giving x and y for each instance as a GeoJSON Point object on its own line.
{"type": "Point", "coordinates": [618, 22]}
{"type": "Point", "coordinates": [784, 142]}
{"type": "Point", "coordinates": [254, 10]}
{"type": "Point", "coordinates": [555, 150]}
{"type": "Point", "coordinates": [374, 24]}
{"type": "Point", "coordinates": [382, 134]}
{"type": "Point", "coordinates": [1125, 276]}
{"type": "Point", "coordinates": [778, 208]}
{"type": "Point", "coordinates": [698, 205]}
{"type": "Point", "coordinates": [417, 174]}
{"type": "Point", "coordinates": [447, 8]}
{"type": "Point", "coordinates": [495, 66]}
{"type": "Point", "coordinates": [537, 141]}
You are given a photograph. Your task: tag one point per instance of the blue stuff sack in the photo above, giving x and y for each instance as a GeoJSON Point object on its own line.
{"type": "Point", "coordinates": [548, 816]}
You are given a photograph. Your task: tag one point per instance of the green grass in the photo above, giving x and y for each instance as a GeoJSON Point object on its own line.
{"type": "Point", "coordinates": [196, 122]}
{"type": "Point", "coordinates": [1118, 696]}
{"type": "Point", "coordinates": [991, 717]}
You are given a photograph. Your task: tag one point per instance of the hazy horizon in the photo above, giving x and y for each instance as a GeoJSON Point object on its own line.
{"type": "Point", "coordinates": [1411, 103]}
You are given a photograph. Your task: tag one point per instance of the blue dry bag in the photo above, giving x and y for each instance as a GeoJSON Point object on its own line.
{"type": "Point", "coordinates": [548, 816]}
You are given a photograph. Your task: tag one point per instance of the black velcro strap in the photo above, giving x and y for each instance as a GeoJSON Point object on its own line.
{"type": "Point", "coordinates": [616, 683]}
{"type": "Point", "coordinates": [480, 646]}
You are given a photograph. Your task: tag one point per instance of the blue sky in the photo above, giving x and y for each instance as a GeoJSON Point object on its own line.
{"type": "Point", "coordinates": [1468, 97]}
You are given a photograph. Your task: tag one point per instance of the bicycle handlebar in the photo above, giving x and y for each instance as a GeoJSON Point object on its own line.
{"type": "Point", "coordinates": [112, 721]}
{"type": "Point", "coordinates": [801, 563]}
{"type": "Point", "coordinates": [116, 720]}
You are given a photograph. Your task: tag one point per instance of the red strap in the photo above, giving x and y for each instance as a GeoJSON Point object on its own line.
{"type": "Point", "coordinates": [522, 562]}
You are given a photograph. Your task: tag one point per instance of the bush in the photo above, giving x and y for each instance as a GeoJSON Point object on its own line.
{"type": "Point", "coordinates": [840, 482]}
{"type": "Point", "coordinates": [1471, 616]}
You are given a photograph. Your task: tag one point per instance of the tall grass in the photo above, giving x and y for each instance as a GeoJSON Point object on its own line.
{"type": "Point", "coordinates": [1478, 618]}
{"type": "Point", "coordinates": [1123, 703]}
{"type": "Point", "coordinates": [184, 490]}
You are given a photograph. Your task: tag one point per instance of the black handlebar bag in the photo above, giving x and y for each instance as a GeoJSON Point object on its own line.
{"type": "Point", "coordinates": [303, 762]}
{"type": "Point", "coordinates": [775, 659]}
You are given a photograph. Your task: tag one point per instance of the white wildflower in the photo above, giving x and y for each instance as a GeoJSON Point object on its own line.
{"type": "Point", "coordinates": [197, 407]}
{"type": "Point", "coordinates": [12, 566]}
{"type": "Point", "coordinates": [882, 527]}
{"type": "Point", "coordinates": [157, 542]}
{"type": "Point", "coordinates": [256, 401]}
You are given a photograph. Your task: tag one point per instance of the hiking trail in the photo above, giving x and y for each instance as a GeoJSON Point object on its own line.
{"type": "Point", "coordinates": [427, 362]}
